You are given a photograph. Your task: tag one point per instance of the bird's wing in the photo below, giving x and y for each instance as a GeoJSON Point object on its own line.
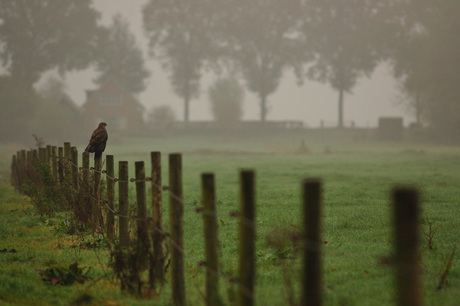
{"type": "Point", "coordinates": [98, 136]}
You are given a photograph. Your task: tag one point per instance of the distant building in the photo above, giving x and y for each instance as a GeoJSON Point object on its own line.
{"type": "Point", "coordinates": [114, 105]}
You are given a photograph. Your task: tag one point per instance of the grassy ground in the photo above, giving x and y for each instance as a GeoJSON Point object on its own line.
{"type": "Point", "coordinates": [358, 177]}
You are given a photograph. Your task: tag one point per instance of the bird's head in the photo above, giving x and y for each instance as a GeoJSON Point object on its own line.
{"type": "Point", "coordinates": [102, 125]}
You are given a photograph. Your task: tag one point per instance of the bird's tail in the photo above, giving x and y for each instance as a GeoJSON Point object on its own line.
{"type": "Point", "coordinates": [97, 155]}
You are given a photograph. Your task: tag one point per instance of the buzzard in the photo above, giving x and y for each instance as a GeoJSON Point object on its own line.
{"type": "Point", "coordinates": [98, 141]}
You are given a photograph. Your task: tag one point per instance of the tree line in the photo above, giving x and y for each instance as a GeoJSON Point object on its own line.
{"type": "Point", "coordinates": [330, 41]}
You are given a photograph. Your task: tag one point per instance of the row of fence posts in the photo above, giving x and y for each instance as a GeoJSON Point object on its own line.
{"type": "Point", "coordinates": [405, 221]}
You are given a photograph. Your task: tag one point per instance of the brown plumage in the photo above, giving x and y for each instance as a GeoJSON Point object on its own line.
{"type": "Point", "coordinates": [98, 140]}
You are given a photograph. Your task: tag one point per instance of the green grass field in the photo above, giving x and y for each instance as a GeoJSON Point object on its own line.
{"type": "Point", "coordinates": [358, 177]}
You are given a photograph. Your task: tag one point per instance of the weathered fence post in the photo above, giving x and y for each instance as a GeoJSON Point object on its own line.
{"type": "Point", "coordinates": [311, 274]}
{"type": "Point", "coordinates": [97, 217]}
{"type": "Point", "coordinates": [110, 222]}
{"type": "Point", "coordinates": [156, 272]}
{"type": "Point", "coordinates": [61, 164]}
{"type": "Point", "coordinates": [74, 166]}
{"type": "Point", "coordinates": [22, 163]}
{"type": "Point", "coordinates": [29, 163]}
{"type": "Point", "coordinates": [406, 217]}
{"type": "Point", "coordinates": [23, 160]}
{"type": "Point", "coordinates": [176, 220]}
{"type": "Point", "coordinates": [54, 168]}
{"type": "Point", "coordinates": [85, 168]}
{"type": "Point", "coordinates": [123, 203]}
{"type": "Point", "coordinates": [42, 155]}
{"type": "Point", "coordinates": [247, 236]}
{"type": "Point", "coordinates": [67, 157]}
{"type": "Point", "coordinates": [29, 160]}
{"type": "Point", "coordinates": [48, 155]}
{"type": "Point", "coordinates": [85, 187]}
{"type": "Point", "coordinates": [142, 229]}
{"type": "Point", "coordinates": [14, 172]}
{"type": "Point", "coordinates": [210, 236]}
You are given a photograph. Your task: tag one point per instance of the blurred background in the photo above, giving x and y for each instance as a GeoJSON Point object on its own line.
{"type": "Point", "coordinates": [200, 66]}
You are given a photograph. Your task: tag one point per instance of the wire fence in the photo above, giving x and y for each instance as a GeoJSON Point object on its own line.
{"type": "Point", "coordinates": [63, 163]}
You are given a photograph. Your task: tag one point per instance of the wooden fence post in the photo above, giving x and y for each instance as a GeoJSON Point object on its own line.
{"type": "Point", "coordinates": [22, 162]}
{"type": "Point", "coordinates": [14, 172]}
{"type": "Point", "coordinates": [85, 169]}
{"type": "Point", "coordinates": [156, 272]}
{"type": "Point", "coordinates": [97, 217]}
{"type": "Point", "coordinates": [110, 222]}
{"type": "Point", "coordinates": [74, 166]}
{"type": "Point", "coordinates": [54, 161]}
{"type": "Point", "coordinates": [85, 187]}
{"type": "Point", "coordinates": [123, 203]}
{"type": "Point", "coordinates": [42, 155]}
{"type": "Point", "coordinates": [247, 236]}
{"type": "Point", "coordinates": [30, 163]}
{"type": "Point", "coordinates": [311, 274]}
{"type": "Point", "coordinates": [61, 164]}
{"type": "Point", "coordinates": [142, 229]}
{"type": "Point", "coordinates": [210, 236]}
{"type": "Point", "coordinates": [67, 157]}
{"type": "Point", "coordinates": [48, 155]}
{"type": "Point", "coordinates": [176, 220]}
{"type": "Point", "coordinates": [406, 217]}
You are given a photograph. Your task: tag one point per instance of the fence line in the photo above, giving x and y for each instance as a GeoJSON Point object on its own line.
{"type": "Point", "coordinates": [67, 164]}
{"type": "Point", "coordinates": [63, 163]}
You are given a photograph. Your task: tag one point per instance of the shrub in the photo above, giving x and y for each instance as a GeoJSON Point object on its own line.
{"type": "Point", "coordinates": [226, 96]}
{"type": "Point", "coordinates": [65, 276]}
{"type": "Point", "coordinates": [45, 195]}
{"type": "Point", "coordinates": [161, 119]}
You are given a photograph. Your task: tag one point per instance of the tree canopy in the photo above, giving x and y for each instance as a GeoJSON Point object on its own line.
{"type": "Point", "coordinates": [426, 60]}
{"type": "Point", "coordinates": [121, 58]}
{"type": "Point", "coordinates": [40, 35]}
{"type": "Point", "coordinates": [261, 39]}
{"type": "Point", "coordinates": [342, 34]}
{"type": "Point", "coordinates": [179, 35]}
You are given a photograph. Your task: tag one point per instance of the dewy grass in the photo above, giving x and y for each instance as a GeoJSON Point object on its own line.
{"type": "Point", "coordinates": [356, 222]}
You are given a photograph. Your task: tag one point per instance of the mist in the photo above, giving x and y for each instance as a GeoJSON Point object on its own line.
{"type": "Point", "coordinates": [308, 88]}
{"type": "Point", "coordinates": [310, 103]}
{"type": "Point", "coordinates": [232, 148]}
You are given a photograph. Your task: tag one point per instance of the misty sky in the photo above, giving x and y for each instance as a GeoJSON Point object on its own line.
{"type": "Point", "coordinates": [310, 103]}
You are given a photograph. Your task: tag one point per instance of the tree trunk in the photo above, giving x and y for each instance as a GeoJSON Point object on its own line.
{"type": "Point", "coordinates": [187, 102]}
{"type": "Point", "coordinates": [263, 107]}
{"type": "Point", "coordinates": [186, 108]}
{"type": "Point", "coordinates": [340, 108]}
{"type": "Point", "coordinates": [418, 111]}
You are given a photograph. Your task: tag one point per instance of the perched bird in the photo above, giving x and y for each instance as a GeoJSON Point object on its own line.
{"type": "Point", "coordinates": [98, 140]}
